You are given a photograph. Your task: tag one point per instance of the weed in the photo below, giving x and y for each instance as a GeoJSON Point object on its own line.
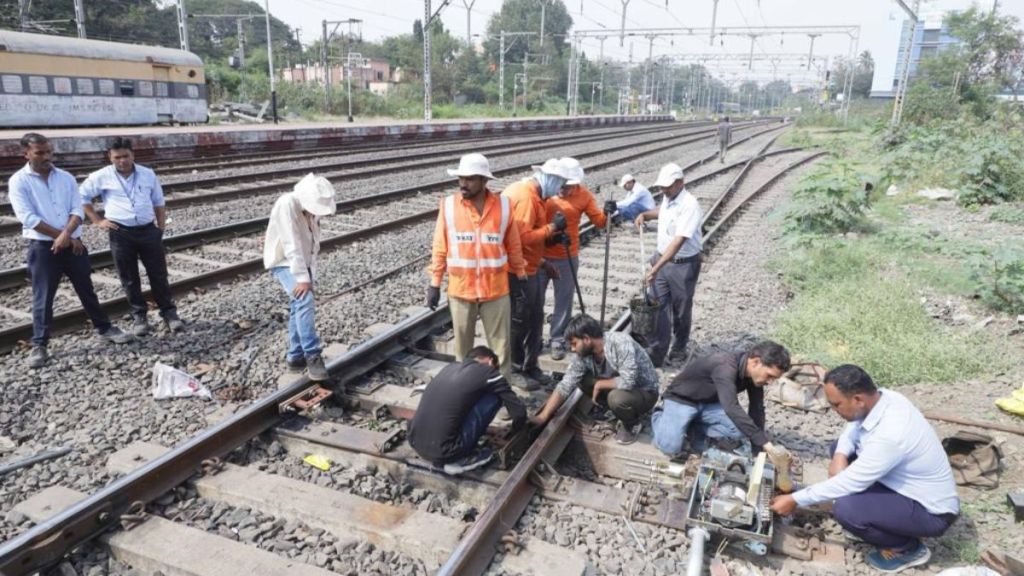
{"type": "Point", "coordinates": [829, 200]}
{"type": "Point", "coordinates": [1000, 279]}
{"type": "Point", "coordinates": [1007, 215]}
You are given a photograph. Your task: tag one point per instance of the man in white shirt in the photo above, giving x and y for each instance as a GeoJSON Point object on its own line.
{"type": "Point", "coordinates": [890, 480]}
{"type": "Point", "coordinates": [289, 252]}
{"type": "Point", "coordinates": [676, 267]}
{"type": "Point", "coordinates": [639, 199]}
{"type": "Point", "coordinates": [135, 218]}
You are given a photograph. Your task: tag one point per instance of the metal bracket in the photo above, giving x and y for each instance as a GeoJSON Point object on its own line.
{"type": "Point", "coordinates": [510, 543]}
{"type": "Point", "coordinates": [212, 466]}
{"type": "Point", "coordinates": [305, 400]}
{"type": "Point", "coordinates": [391, 442]}
{"type": "Point", "coordinates": [135, 515]}
{"type": "Point", "coordinates": [514, 449]}
{"type": "Point", "coordinates": [547, 479]}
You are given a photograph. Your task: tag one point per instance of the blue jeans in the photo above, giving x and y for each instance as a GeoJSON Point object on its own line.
{"type": "Point", "coordinates": [671, 422]}
{"type": "Point", "coordinates": [476, 423]}
{"type": "Point", "coordinates": [302, 338]}
{"type": "Point", "coordinates": [629, 212]}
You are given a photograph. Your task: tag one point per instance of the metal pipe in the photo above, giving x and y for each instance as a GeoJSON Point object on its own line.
{"type": "Point", "coordinates": [697, 536]}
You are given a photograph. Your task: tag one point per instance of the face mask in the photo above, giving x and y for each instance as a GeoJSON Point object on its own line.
{"type": "Point", "coordinates": [549, 184]}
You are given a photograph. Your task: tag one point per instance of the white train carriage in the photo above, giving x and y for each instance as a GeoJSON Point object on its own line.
{"type": "Point", "coordinates": [59, 81]}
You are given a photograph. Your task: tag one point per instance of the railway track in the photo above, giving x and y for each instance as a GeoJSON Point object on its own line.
{"type": "Point", "coordinates": [430, 539]}
{"type": "Point", "coordinates": [343, 229]}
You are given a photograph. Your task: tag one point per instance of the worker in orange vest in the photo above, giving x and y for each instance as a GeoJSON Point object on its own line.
{"type": "Point", "coordinates": [528, 212]}
{"type": "Point", "coordinates": [477, 243]}
{"type": "Point", "coordinates": [572, 201]}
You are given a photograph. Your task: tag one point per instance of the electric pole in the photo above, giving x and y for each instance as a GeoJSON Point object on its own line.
{"type": "Point", "coordinates": [908, 47]}
{"type": "Point", "coordinates": [469, 26]}
{"type": "Point", "coordinates": [80, 18]}
{"type": "Point", "coordinates": [427, 110]}
{"type": "Point", "coordinates": [182, 25]}
{"type": "Point", "coordinates": [270, 63]}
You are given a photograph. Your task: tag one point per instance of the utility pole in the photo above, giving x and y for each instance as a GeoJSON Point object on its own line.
{"type": "Point", "coordinates": [501, 70]}
{"type": "Point", "coordinates": [714, 18]}
{"type": "Point", "coordinates": [570, 70]}
{"type": "Point", "coordinates": [325, 61]}
{"type": "Point", "coordinates": [908, 47]}
{"type": "Point", "coordinates": [241, 45]}
{"type": "Point", "coordinates": [327, 76]}
{"type": "Point", "coordinates": [22, 14]}
{"type": "Point", "coordinates": [469, 25]}
{"type": "Point", "coordinates": [526, 78]}
{"type": "Point", "coordinates": [428, 112]}
{"type": "Point", "coordinates": [80, 18]}
{"type": "Point", "coordinates": [810, 55]}
{"type": "Point", "coordinates": [622, 33]}
{"type": "Point", "coordinates": [542, 8]}
{"type": "Point", "coordinates": [182, 25]}
{"type": "Point", "coordinates": [270, 63]}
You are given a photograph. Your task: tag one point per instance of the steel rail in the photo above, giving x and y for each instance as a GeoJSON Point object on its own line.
{"type": "Point", "coordinates": [47, 543]}
{"type": "Point", "coordinates": [407, 161]}
{"type": "Point", "coordinates": [17, 276]}
{"type": "Point", "coordinates": [477, 548]}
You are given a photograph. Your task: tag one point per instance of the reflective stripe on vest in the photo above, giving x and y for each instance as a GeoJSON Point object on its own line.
{"type": "Point", "coordinates": [455, 259]}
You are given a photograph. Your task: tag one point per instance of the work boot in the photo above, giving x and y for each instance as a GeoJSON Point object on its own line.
{"type": "Point", "coordinates": [316, 369]}
{"type": "Point", "coordinates": [296, 365]}
{"type": "Point", "coordinates": [519, 380]}
{"type": "Point", "coordinates": [539, 376]}
{"type": "Point", "coordinates": [557, 351]}
{"type": "Point", "coordinates": [38, 357]}
{"type": "Point", "coordinates": [140, 327]}
{"type": "Point", "coordinates": [116, 335]}
{"type": "Point", "coordinates": [627, 434]}
{"type": "Point", "coordinates": [174, 324]}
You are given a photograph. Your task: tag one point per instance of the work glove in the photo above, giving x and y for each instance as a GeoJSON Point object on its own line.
{"type": "Point", "coordinates": [559, 222]}
{"type": "Point", "coordinates": [433, 297]}
{"type": "Point", "coordinates": [610, 207]}
{"type": "Point", "coordinates": [556, 239]}
{"type": "Point", "coordinates": [565, 240]}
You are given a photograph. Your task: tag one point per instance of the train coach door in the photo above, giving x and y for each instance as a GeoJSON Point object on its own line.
{"type": "Point", "coordinates": [162, 93]}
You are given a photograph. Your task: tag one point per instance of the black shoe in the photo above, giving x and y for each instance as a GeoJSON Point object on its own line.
{"type": "Point", "coordinates": [478, 458]}
{"type": "Point", "coordinates": [116, 335]}
{"type": "Point", "coordinates": [296, 365]}
{"type": "Point", "coordinates": [678, 357]}
{"type": "Point", "coordinates": [38, 357]}
{"type": "Point", "coordinates": [140, 326]}
{"type": "Point", "coordinates": [540, 377]}
{"type": "Point", "coordinates": [174, 324]}
{"type": "Point", "coordinates": [522, 381]}
{"type": "Point", "coordinates": [557, 351]}
{"type": "Point", "coordinates": [316, 369]}
{"type": "Point", "coordinates": [627, 434]}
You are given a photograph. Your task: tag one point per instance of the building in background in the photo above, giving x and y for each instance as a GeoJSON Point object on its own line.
{"type": "Point", "coordinates": [931, 36]}
{"type": "Point", "coordinates": [373, 74]}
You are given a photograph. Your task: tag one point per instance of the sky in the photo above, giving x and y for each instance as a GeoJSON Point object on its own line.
{"type": "Point", "coordinates": [879, 22]}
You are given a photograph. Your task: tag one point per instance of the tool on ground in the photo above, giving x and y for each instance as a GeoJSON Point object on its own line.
{"type": "Point", "coordinates": [20, 463]}
{"type": "Point", "coordinates": [576, 281]}
{"type": "Point", "coordinates": [644, 308]}
{"type": "Point", "coordinates": [607, 252]}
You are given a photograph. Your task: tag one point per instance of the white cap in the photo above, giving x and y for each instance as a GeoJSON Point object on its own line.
{"type": "Point", "coordinates": [316, 195]}
{"type": "Point", "coordinates": [473, 165]}
{"type": "Point", "coordinates": [668, 174]}
{"type": "Point", "coordinates": [626, 180]}
{"type": "Point", "coordinates": [573, 170]}
{"type": "Point", "coordinates": [553, 167]}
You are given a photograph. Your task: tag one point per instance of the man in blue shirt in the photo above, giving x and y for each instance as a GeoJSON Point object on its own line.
{"type": "Point", "coordinates": [639, 199]}
{"type": "Point", "coordinates": [46, 202]}
{"type": "Point", "coordinates": [890, 479]}
{"type": "Point", "coordinates": [134, 217]}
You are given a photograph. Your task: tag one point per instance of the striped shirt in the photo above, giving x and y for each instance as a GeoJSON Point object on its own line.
{"type": "Point", "coordinates": [623, 356]}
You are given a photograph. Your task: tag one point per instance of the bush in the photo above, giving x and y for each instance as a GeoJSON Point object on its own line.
{"type": "Point", "coordinates": [1000, 279]}
{"type": "Point", "coordinates": [832, 199]}
{"type": "Point", "coordinates": [993, 173]}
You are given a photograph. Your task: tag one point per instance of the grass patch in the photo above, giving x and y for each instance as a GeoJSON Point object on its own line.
{"type": "Point", "coordinates": [1007, 214]}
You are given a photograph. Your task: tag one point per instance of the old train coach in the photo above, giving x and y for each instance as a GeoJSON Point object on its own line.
{"type": "Point", "coordinates": [60, 81]}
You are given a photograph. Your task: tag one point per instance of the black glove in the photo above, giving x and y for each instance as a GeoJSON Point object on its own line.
{"type": "Point", "coordinates": [556, 239]}
{"type": "Point", "coordinates": [565, 240]}
{"type": "Point", "coordinates": [433, 297]}
{"type": "Point", "coordinates": [610, 207]}
{"type": "Point", "coordinates": [519, 294]}
{"type": "Point", "coordinates": [559, 221]}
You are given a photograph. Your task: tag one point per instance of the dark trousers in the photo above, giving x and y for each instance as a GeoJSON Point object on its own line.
{"type": "Point", "coordinates": [46, 269]}
{"type": "Point", "coordinates": [673, 289]}
{"type": "Point", "coordinates": [629, 406]}
{"type": "Point", "coordinates": [476, 423]}
{"type": "Point", "coordinates": [887, 519]}
{"type": "Point", "coordinates": [527, 323]}
{"type": "Point", "coordinates": [128, 245]}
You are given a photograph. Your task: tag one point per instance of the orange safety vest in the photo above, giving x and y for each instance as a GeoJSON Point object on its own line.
{"type": "Point", "coordinates": [477, 250]}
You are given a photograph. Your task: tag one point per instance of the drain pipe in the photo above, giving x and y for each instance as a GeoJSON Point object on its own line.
{"type": "Point", "coordinates": [697, 536]}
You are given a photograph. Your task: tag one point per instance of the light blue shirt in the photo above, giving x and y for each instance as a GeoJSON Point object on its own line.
{"type": "Point", "coordinates": [640, 196]}
{"type": "Point", "coordinates": [126, 201]}
{"type": "Point", "coordinates": [896, 446]}
{"type": "Point", "coordinates": [52, 200]}
{"type": "Point", "coordinates": [680, 216]}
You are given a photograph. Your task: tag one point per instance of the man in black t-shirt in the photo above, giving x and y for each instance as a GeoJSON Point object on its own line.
{"type": "Point", "coordinates": [706, 394]}
{"type": "Point", "coordinates": [456, 408]}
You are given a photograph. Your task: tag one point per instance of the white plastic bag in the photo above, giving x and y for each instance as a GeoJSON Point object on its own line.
{"type": "Point", "coordinates": [169, 382]}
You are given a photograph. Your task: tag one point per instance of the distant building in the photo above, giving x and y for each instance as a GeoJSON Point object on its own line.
{"type": "Point", "coordinates": [931, 36]}
{"type": "Point", "coordinates": [372, 74]}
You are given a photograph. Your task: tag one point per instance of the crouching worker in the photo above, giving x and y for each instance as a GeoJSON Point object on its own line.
{"type": "Point", "coordinates": [456, 408]}
{"type": "Point", "coordinates": [289, 252]}
{"type": "Point", "coordinates": [703, 401]}
{"type": "Point", "coordinates": [890, 479]}
{"type": "Point", "coordinates": [612, 370]}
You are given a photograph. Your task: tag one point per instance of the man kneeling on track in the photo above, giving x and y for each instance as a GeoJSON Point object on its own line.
{"type": "Point", "coordinates": [890, 480]}
{"type": "Point", "coordinates": [456, 408]}
{"type": "Point", "coordinates": [705, 394]}
{"type": "Point", "coordinates": [612, 370]}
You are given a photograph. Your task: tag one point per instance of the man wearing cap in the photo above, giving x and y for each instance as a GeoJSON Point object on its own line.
{"type": "Point", "coordinates": [477, 243]}
{"type": "Point", "coordinates": [562, 251]}
{"type": "Point", "coordinates": [639, 199]}
{"type": "Point", "coordinates": [528, 211]}
{"type": "Point", "coordinates": [673, 276]}
{"type": "Point", "coordinates": [289, 252]}
{"type": "Point", "coordinates": [135, 218]}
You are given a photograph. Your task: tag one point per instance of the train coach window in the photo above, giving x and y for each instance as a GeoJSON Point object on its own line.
{"type": "Point", "coordinates": [145, 88]}
{"type": "Point", "coordinates": [161, 89]}
{"type": "Point", "coordinates": [193, 91]}
{"type": "Point", "coordinates": [12, 84]}
{"type": "Point", "coordinates": [127, 87]}
{"type": "Point", "coordinates": [107, 87]}
{"type": "Point", "coordinates": [85, 86]}
{"type": "Point", "coordinates": [62, 85]}
{"type": "Point", "coordinates": [37, 85]}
